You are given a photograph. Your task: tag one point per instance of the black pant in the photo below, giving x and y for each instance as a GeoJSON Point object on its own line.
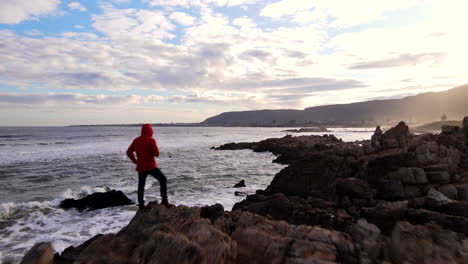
{"type": "Point", "coordinates": [158, 175]}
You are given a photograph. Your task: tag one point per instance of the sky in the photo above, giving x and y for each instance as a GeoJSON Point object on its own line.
{"type": "Point", "coordinates": [65, 62]}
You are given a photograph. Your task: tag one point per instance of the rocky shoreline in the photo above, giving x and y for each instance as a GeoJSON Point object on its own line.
{"type": "Point", "coordinates": [396, 198]}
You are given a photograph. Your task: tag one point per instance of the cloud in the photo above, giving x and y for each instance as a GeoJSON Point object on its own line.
{"type": "Point", "coordinates": [76, 6]}
{"type": "Point", "coordinates": [77, 99]}
{"type": "Point", "coordinates": [188, 3]}
{"type": "Point", "coordinates": [182, 18]}
{"type": "Point", "coordinates": [318, 85]}
{"type": "Point", "coordinates": [33, 32]}
{"type": "Point", "coordinates": [132, 23]}
{"type": "Point", "coordinates": [16, 11]}
{"type": "Point", "coordinates": [337, 13]}
{"type": "Point", "coordinates": [401, 60]}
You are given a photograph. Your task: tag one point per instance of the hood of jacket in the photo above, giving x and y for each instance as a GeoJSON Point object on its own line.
{"type": "Point", "coordinates": [146, 130]}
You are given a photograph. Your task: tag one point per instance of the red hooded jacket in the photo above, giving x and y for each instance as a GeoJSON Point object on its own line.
{"type": "Point", "coordinates": [145, 148]}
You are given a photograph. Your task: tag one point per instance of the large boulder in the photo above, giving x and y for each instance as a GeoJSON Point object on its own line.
{"type": "Point", "coordinates": [97, 200]}
{"type": "Point", "coordinates": [396, 137]}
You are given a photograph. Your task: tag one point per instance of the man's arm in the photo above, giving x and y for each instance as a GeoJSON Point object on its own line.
{"type": "Point", "coordinates": [130, 153]}
{"type": "Point", "coordinates": [155, 148]}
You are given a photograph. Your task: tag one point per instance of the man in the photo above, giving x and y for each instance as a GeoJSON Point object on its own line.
{"type": "Point", "coordinates": [146, 149]}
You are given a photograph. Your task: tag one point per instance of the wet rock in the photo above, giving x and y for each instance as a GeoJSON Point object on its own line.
{"type": "Point", "coordinates": [435, 199]}
{"type": "Point", "coordinates": [426, 244]}
{"type": "Point", "coordinates": [41, 253]}
{"type": "Point", "coordinates": [237, 193]}
{"type": "Point", "coordinates": [449, 190]}
{"type": "Point", "coordinates": [97, 201]}
{"type": "Point", "coordinates": [240, 184]}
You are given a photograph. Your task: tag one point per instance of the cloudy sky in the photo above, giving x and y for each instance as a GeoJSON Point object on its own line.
{"type": "Point", "coordinates": [121, 61]}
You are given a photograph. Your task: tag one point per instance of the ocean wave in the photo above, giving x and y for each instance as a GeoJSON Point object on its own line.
{"type": "Point", "coordinates": [6, 210]}
{"type": "Point", "coordinates": [53, 143]}
{"type": "Point", "coordinates": [15, 136]}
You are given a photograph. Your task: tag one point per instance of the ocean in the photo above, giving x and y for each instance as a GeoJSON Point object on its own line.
{"type": "Point", "coordinates": [41, 166]}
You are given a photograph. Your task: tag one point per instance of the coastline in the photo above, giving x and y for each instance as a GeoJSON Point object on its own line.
{"type": "Point", "coordinates": [377, 201]}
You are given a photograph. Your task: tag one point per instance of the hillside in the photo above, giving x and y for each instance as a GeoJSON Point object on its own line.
{"type": "Point", "coordinates": [419, 108]}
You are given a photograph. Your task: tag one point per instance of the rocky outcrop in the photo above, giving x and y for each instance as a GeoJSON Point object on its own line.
{"type": "Point", "coordinates": [97, 201]}
{"type": "Point", "coordinates": [181, 235]}
{"type": "Point", "coordinates": [240, 184]}
{"type": "Point", "coordinates": [397, 198]}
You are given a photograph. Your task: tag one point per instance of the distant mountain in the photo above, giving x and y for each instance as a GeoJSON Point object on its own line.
{"type": "Point", "coordinates": [419, 108]}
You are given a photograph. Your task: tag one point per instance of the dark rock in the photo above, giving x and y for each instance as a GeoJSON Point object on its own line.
{"type": "Point", "coordinates": [441, 177]}
{"type": "Point", "coordinates": [435, 199]}
{"type": "Point", "coordinates": [409, 176]}
{"type": "Point", "coordinates": [307, 129]}
{"type": "Point", "coordinates": [386, 214]}
{"type": "Point", "coordinates": [396, 137]}
{"type": "Point", "coordinates": [313, 176]}
{"type": "Point", "coordinates": [212, 212]}
{"type": "Point", "coordinates": [449, 190]}
{"type": "Point", "coordinates": [391, 189]}
{"type": "Point", "coordinates": [462, 192]}
{"type": "Point", "coordinates": [237, 193]}
{"type": "Point", "coordinates": [97, 201]}
{"type": "Point", "coordinates": [455, 208]}
{"type": "Point", "coordinates": [240, 184]}
{"type": "Point", "coordinates": [376, 139]}
{"type": "Point", "coordinates": [235, 146]}
{"type": "Point", "coordinates": [354, 188]}
{"type": "Point", "coordinates": [71, 254]}
{"type": "Point", "coordinates": [422, 216]}
{"type": "Point", "coordinates": [41, 253]}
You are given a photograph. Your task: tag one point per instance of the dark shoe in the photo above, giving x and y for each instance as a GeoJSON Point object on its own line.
{"type": "Point", "coordinates": [167, 204]}
{"type": "Point", "coordinates": [141, 206]}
